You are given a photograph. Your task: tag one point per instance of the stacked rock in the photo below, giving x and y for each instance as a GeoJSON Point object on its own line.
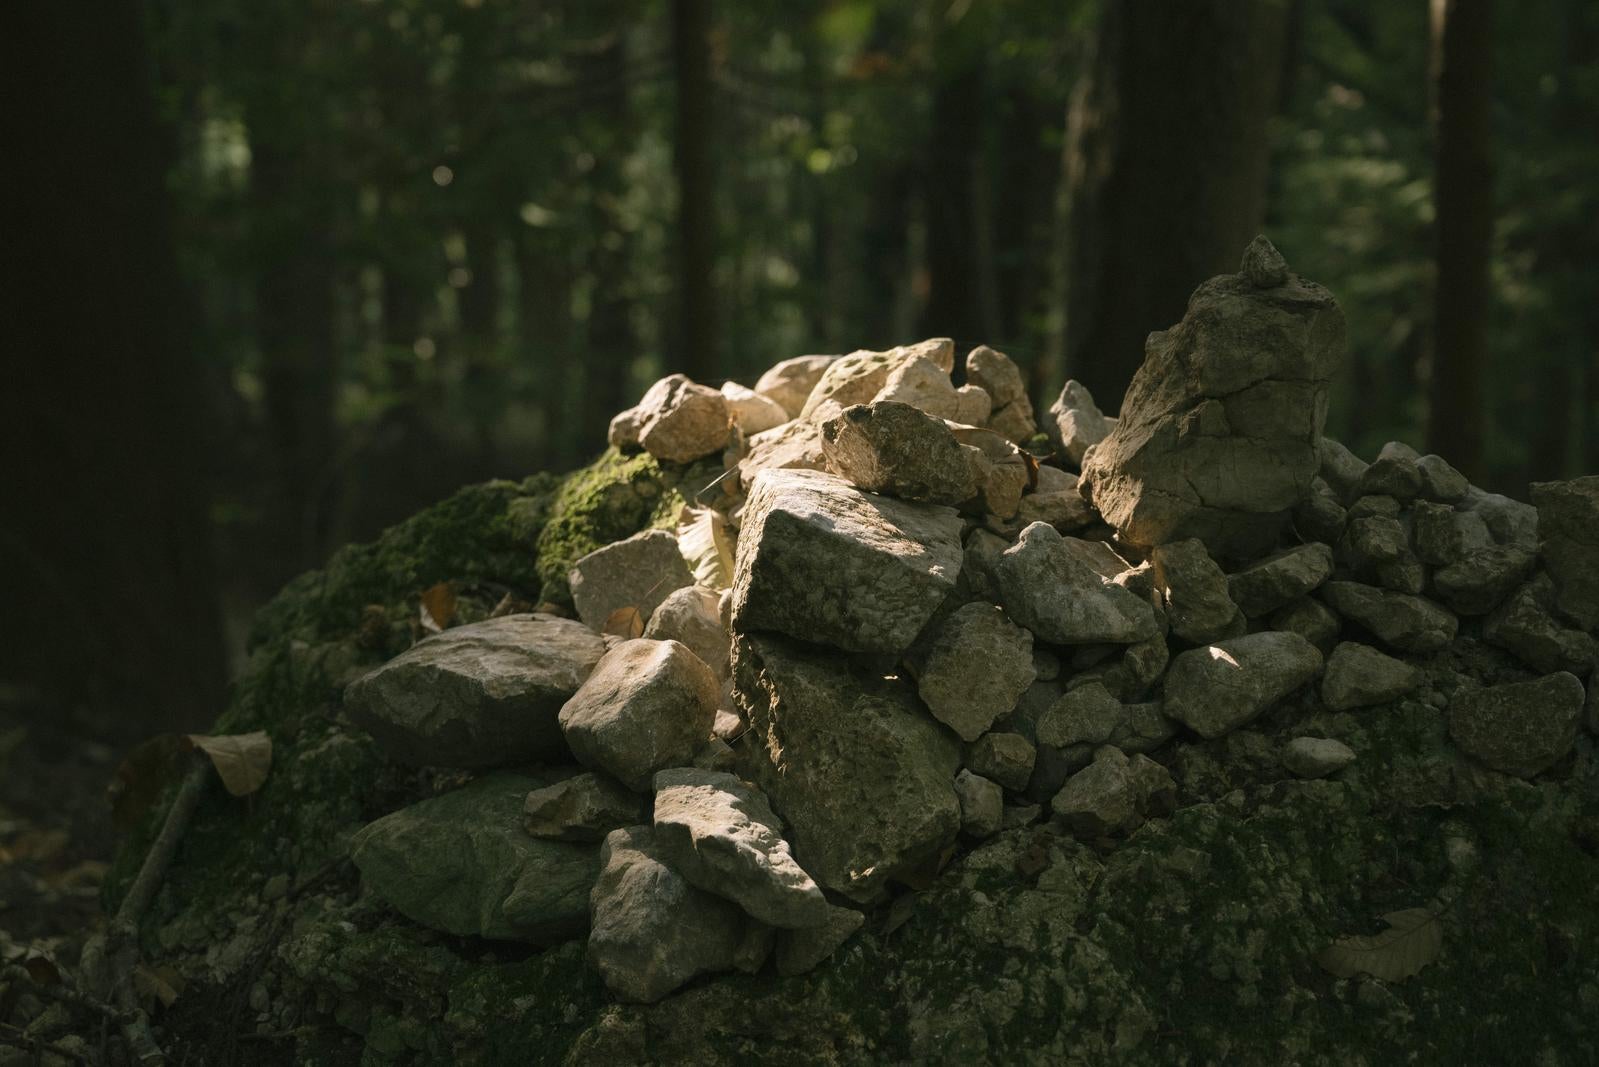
{"type": "Point", "coordinates": [940, 622]}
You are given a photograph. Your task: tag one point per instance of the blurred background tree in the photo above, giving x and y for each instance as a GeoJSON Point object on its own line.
{"type": "Point", "coordinates": [415, 243]}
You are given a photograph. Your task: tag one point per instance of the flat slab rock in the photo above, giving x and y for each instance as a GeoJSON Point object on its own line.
{"type": "Point", "coordinates": [977, 666]}
{"type": "Point", "coordinates": [1398, 620]}
{"type": "Point", "coordinates": [652, 931]}
{"type": "Point", "coordinates": [861, 774]}
{"type": "Point", "coordinates": [824, 562]}
{"type": "Point", "coordinates": [1521, 728]}
{"type": "Point", "coordinates": [585, 807]}
{"type": "Point", "coordinates": [461, 863]}
{"type": "Point", "coordinates": [1046, 583]}
{"type": "Point", "coordinates": [639, 572]}
{"type": "Point", "coordinates": [1358, 676]}
{"type": "Point", "coordinates": [1218, 688]}
{"type": "Point", "coordinates": [482, 695]}
{"type": "Point", "coordinates": [893, 448]}
{"type": "Point", "coordinates": [721, 835]}
{"type": "Point", "coordinates": [649, 705]}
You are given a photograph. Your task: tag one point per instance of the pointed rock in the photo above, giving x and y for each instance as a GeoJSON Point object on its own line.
{"type": "Point", "coordinates": [639, 572]}
{"type": "Point", "coordinates": [1047, 587]}
{"type": "Point", "coordinates": [978, 665]}
{"type": "Point", "coordinates": [900, 451]}
{"type": "Point", "coordinates": [585, 807]}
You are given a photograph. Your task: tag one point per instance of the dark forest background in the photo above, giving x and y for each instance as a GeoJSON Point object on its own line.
{"type": "Point", "coordinates": [280, 273]}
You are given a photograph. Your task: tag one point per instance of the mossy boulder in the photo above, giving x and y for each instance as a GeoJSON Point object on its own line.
{"type": "Point", "coordinates": [1195, 940]}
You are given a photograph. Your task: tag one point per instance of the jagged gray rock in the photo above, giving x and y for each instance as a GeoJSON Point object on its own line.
{"type": "Point", "coordinates": [1088, 714]}
{"type": "Point", "coordinates": [976, 667]}
{"type": "Point", "coordinates": [1263, 265]}
{"type": "Point", "coordinates": [1479, 582]}
{"type": "Point", "coordinates": [1220, 431]}
{"type": "Point", "coordinates": [901, 451]}
{"type": "Point", "coordinates": [801, 951]}
{"type": "Point", "coordinates": [1114, 794]}
{"type": "Point", "coordinates": [649, 705]}
{"type": "Point", "coordinates": [982, 804]}
{"type": "Point", "coordinates": [1526, 626]}
{"type": "Point", "coordinates": [1316, 757]}
{"type": "Point", "coordinates": [822, 561]}
{"type": "Point", "coordinates": [791, 381]}
{"type": "Point", "coordinates": [1077, 422]}
{"type": "Point", "coordinates": [1195, 592]}
{"type": "Point", "coordinates": [795, 445]}
{"type": "Point", "coordinates": [857, 377]}
{"type": "Point", "coordinates": [1310, 619]}
{"type": "Point", "coordinates": [751, 412]}
{"type": "Point", "coordinates": [481, 695]}
{"type": "Point", "coordinates": [652, 931]}
{"type": "Point", "coordinates": [677, 420]}
{"type": "Point", "coordinates": [722, 835]}
{"type": "Point", "coordinates": [923, 384]}
{"type": "Point", "coordinates": [1216, 689]}
{"type": "Point", "coordinates": [1407, 623]}
{"type": "Point", "coordinates": [1045, 584]}
{"type": "Point", "coordinates": [461, 863]}
{"type": "Point", "coordinates": [638, 572]}
{"type": "Point", "coordinates": [1004, 757]}
{"type": "Point", "coordinates": [859, 772]}
{"type": "Point", "coordinates": [691, 616]}
{"type": "Point", "coordinates": [584, 807]}
{"type": "Point", "coordinates": [1568, 529]}
{"type": "Point", "coordinates": [1521, 728]}
{"type": "Point", "coordinates": [1358, 676]}
{"type": "Point", "coordinates": [1395, 472]}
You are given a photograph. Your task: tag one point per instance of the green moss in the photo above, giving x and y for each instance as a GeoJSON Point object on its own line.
{"type": "Point", "coordinates": [614, 497]}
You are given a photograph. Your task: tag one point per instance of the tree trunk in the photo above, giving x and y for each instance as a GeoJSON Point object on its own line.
{"type": "Point", "coordinates": [1463, 64]}
{"type": "Point", "coordinates": [1167, 162]}
{"type": "Point", "coordinates": [696, 335]}
{"type": "Point", "coordinates": [952, 168]}
{"type": "Point", "coordinates": [110, 589]}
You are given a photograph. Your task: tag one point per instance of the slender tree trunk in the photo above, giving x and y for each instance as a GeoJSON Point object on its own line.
{"type": "Point", "coordinates": [1167, 161]}
{"type": "Point", "coordinates": [697, 334]}
{"type": "Point", "coordinates": [1463, 61]}
{"type": "Point", "coordinates": [544, 330]}
{"type": "Point", "coordinates": [110, 590]}
{"type": "Point", "coordinates": [951, 170]}
{"type": "Point", "coordinates": [612, 341]}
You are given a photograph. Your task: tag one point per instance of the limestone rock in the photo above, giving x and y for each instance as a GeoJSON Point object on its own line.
{"type": "Point", "coordinates": [1512, 522]}
{"type": "Point", "coordinates": [691, 616]}
{"type": "Point", "coordinates": [1341, 469]}
{"type": "Point", "coordinates": [677, 421]}
{"type": "Point", "coordinates": [1002, 474]}
{"type": "Point", "coordinates": [790, 382]}
{"type": "Point", "coordinates": [1263, 265]}
{"type": "Point", "coordinates": [1195, 591]}
{"type": "Point", "coordinates": [1006, 758]}
{"type": "Point", "coordinates": [1526, 626]}
{"type": "Point", "coordinates": [1479, 582]}
{"type": "Point", "coordinates": [652, 931]}
{"type": "Point", "coordinates": [1014, 421]}
{"type": "Point", "coordinates": [1440, 482]}
{"type": "Point", "coordinates": [639, 572]}
{"type": "Point", "coordinates": [751, 412]}
{"type": "Point", "coordinates": [1077, 422]}
{"type": "Point", "coordinates": [1219, 688]}
{"type": "Point", "coordinates": [1310, 619]}
{"type": "Point", "coordinates": [1057, 502]}
{"type": "Point", "coordinates": [649, 705]}
{"type": "Point", "coordinates": [1395, 472]}
{"type": "Point", "coordinates": [857, 377]}
{"type": "Point", "coordinates": [901, 451]}
{"type": "Point", "coordinates": [996, 374]}
{"type": "Point", "coordinates": [1320, 516]}
{"type": "Point", "coordinates": [1316, 757]}
{"type": "Point", "coordinates": [1521, 728]}
{"type": "Point", "coordinates": [801, 951]}
{"type": "Point", "coordinates": [973, 406]}
{"type": "Point", "coordinates": [1443, 536]}
{"type": "Point", "coordinates": [978, 664]}
{"type": "Point", "coordinates": [795, 445]}
{"type": "Point", "coordinates": [1220, 431]}
{"type": "Point", "coordinates": [1406, 623]}
{"type": "Point", "coordinates": [1568, 527]}
{"type": "Point", "coordinates": [1087, 714]}
{"type": "Point", "coordinates": [1114, 794]}
{"type": "Point", "coordinates": [822, 561]}
{"type": "Point", "coordinates": [479, 695]}
{"type": "Point", "coordinates": [982, 804]}
{"type": "Point", "coordinates": [922, 384]}
{"type": "Point", "coordinates": [1047, 587]}
{"type": "Point", "coordinates": [461, 863]}
{"type": "Point", "coordinates": [585, 807]}
{"type": "Point", "coordinates": [1358, 676]}
{"type": "Point", "coordinates": [721, 835]}
{"type": "Point", "coordinates": [861, 775]}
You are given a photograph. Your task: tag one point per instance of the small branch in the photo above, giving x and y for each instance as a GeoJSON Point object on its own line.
{"type": "Point", "coordinates": [16, 1037]}
{"type": "Point", "coordinates": [64, 994]}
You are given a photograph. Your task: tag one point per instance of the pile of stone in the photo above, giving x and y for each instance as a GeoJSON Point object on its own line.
{"type": "Point", "coordinates": [943, 620]}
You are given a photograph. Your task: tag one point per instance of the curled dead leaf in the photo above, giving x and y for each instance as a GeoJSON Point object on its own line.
{"type": "Point", "coordinates": [625, 622]}
{"type": "Point", "coordinates": [438, 607]}
{"type": "Point", "coordinates": [1413, 939]}
{"type": "Point", "coordinates": [706, 542]}
{"type": "Point", "coordinates": [242, 760]}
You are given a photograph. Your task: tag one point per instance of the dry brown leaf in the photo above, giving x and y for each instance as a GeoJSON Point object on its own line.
{"type": "Point", "coordinates": [157, 983]}
{"type": "Point", "coordinates": [624, 622]}
{"type": "Point", "coordinates": [706, 543]}
{"type": "Point", "coordinates": [241, 760]}
{"type": "Point", "coordinates": [1412, 940]}
{"type": "Point", "coordinates": [438, 607]}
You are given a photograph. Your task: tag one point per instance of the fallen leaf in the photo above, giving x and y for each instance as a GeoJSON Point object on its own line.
{"type": "Point", "coordinates": [624, 622]}
{"type": "Point", "coordinates": [511, 604]}
{"type": "Point", "coordinates": [706, 542]}
{"type": "Point", "coordinates": [1032, 469]}
{"type": "Point", "coordinates": [241, 760]}
{"type": "Point", "coordinates": [161, 984]}
{"type": "Point", "coordinates": [438, 607]}
{"type": "Point", "coordinates": [1412, 940]}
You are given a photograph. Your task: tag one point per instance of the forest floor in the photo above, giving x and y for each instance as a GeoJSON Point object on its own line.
{"type": "Point", "coordinates": [56, 835]}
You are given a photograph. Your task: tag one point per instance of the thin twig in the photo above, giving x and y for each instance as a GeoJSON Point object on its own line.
{"type": "Point", "coordinates": [16, 1037]}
